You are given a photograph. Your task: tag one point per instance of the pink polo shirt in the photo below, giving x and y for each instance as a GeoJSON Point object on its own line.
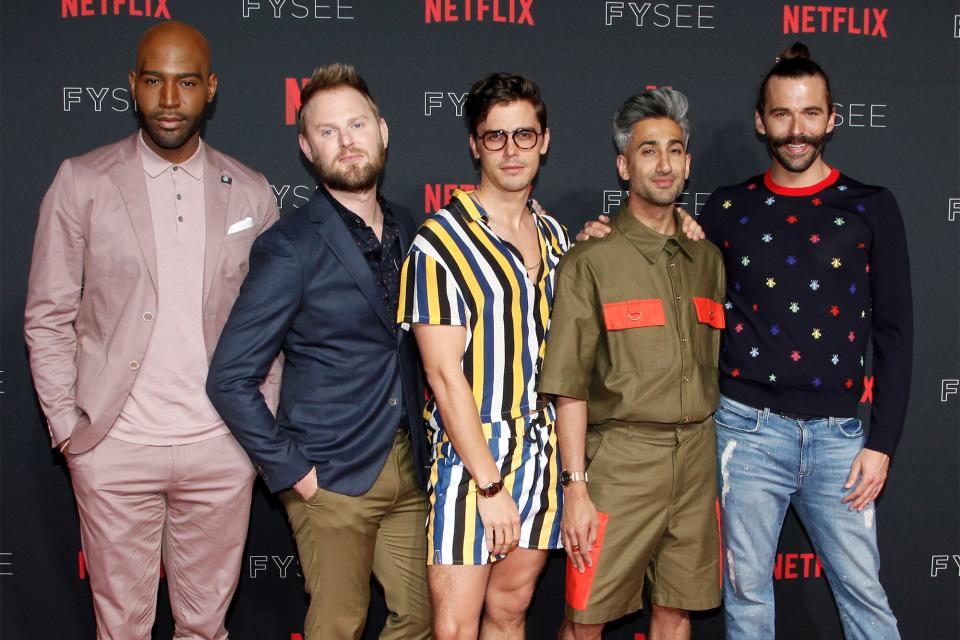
{"type": "Point", "coordinates": [168, 404]}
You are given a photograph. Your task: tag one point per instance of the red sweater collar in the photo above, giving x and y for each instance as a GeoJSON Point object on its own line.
{"type": "Point", "coordinates": [800, 191]}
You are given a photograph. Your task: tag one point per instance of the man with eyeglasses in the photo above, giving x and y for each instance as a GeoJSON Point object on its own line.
{"type": "Point", "coordinates": [477, 288]}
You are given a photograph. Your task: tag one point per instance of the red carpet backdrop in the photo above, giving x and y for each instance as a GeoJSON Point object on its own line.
{"type": "Point", "coordinates": [894, 67]}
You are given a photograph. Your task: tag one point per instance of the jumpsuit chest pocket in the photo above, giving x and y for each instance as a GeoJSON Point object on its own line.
{"type": "Point", "coordinates": [635, 334]}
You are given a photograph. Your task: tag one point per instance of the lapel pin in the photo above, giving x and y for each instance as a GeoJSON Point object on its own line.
{"type": "Point", "coordinates": [226, 179]}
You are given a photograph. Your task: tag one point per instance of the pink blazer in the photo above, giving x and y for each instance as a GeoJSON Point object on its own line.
{"type": "Point", "coordinates": [92, 293]}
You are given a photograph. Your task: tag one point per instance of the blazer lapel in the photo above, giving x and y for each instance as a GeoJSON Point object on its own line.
{"type": "Point", "coordinates": [217, 186]}
{"type": "Point", "coordinates": [335, 233]}
{"type": "Point", "coordinates": [128, 172]}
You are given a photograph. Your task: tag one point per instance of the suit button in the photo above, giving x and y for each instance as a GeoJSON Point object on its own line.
{"type": "Point", "coordinates": [686, 418]}
{"type": "Point", "coordinates": [686, 378]}
{"type": "Point", "coordinates": [133, 365]}
{"type": "Point", "coordinates": [393, 401]}
{"type": "Point", "coordinates": [147, 317]}
{"type": "Point", "coordinates": [712, 315]}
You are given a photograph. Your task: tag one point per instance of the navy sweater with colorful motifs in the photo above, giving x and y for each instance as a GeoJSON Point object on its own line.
{"type": "Point", "coordinates": [812, 274]}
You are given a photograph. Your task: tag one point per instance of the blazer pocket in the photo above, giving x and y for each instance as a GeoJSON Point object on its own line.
{"type": "Point", "coordinates": [323, 413]}
{"type": "Point", "coordinates": [240, 225]}
{"type": "Point", "coordinates": [247, 234]}
{"type": "Point", "coordinates": [635, 334]}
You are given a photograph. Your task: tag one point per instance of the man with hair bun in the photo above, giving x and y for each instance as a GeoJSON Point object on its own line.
{"type": "Point", "coordinates": [817, 267]}
{"type": "Point", "coordinates": [346, 451]}
{"type": "Point", "coordinates": [632, 361]}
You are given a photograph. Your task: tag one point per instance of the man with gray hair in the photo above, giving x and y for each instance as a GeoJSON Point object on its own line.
{"type": "Point", "coordinates": [632, 358]}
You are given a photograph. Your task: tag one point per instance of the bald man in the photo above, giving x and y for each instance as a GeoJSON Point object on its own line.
{"type": "Point", "coordinates": [140, 250]}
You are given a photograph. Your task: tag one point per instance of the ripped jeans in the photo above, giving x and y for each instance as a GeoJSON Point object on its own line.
{"type": "Point", "coordinates": [767, 462]}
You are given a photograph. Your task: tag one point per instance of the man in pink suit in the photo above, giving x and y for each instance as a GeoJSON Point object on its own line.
{"type": "Point", "coordinates": [140, 251]}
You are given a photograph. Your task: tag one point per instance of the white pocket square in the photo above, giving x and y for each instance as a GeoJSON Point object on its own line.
{"type": "Point", "coordinates": [246, 223]}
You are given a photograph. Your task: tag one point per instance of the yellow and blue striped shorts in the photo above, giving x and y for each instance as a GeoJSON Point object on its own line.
{"type": "Point", "coordinates": [530, 467]}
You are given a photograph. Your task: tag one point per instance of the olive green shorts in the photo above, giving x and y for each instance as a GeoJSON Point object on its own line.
{"type": "Point", "coordinates": [657, 484]}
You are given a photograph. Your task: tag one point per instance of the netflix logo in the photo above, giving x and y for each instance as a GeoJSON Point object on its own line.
{"type": "Point", "coordinates": [793, 566]}
{"type": "Point", "coordinates": [291, 99]}
{"type": "Point", "coordinates": [139, 8]}
{"type": "Point", "coordinates": [436, 196]}
{"type": "Point", "coordinates": [517, 12]}
{"type": "Point", "coordinates": [810, 18]}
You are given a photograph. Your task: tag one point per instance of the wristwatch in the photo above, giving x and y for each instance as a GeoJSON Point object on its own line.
{"type": "Point", "coordinates": [566, 477]}
{"type": "Point", "coordinates": [491, 489]}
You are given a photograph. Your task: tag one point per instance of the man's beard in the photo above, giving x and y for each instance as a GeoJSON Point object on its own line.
{"type": "Point", "coordinates": [794, 163]}
{"type": "Point", "coordinates": [656, 196]}
{"type": "Point", "coordinates": [354, 178]}
{"type": "Point", "coordinates": [169, 139]}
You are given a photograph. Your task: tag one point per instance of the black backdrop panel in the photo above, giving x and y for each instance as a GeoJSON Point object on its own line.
{"type": "Point", "coordinates": [894, 67]}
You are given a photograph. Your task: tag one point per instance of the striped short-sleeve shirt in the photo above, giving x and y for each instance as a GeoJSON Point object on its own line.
{"type": "Point", "coordinates": [459, 272]}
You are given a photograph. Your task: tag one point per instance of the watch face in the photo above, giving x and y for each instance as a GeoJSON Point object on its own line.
{"type": "Point", "coordinates": [565, 478]}
{"type": "Point", "coordinates": [491, 490]}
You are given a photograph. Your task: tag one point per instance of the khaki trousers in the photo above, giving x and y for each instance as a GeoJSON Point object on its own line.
{"type": "Point", "coordinates": [343, 539]}
{"type": "Point", "coordinates": [189, 504]}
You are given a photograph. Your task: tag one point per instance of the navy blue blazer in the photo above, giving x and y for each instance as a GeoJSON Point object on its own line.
{"type": "Point", "coordinates": [310, 295]}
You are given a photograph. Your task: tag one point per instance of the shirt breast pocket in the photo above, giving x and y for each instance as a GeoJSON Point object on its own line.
{"type": "Point", "coordinates": [636, 334]}
{"type": "Point", "coordinates": [710, 321]}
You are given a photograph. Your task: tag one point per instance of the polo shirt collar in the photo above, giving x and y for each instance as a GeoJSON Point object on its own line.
{"type": "Point", "coordinates": [647, 241]}
{"type": "Point", "coordinates": [154, 165]}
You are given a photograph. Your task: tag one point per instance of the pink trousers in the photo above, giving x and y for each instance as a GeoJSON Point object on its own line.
{"type": "Point", "coordinates": [190, 505]}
